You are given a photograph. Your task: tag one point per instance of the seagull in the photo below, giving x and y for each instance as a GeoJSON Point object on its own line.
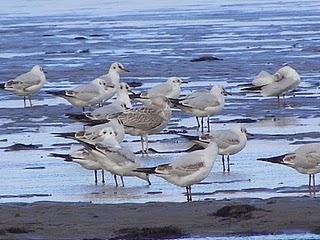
{"type": "Point", "coordinates": [118, 161]}
{"type": "Point", "coordinates": [203, 103]}
{"type": "Point", "coordinates": [305, 159]}
{"type": "Point", "coordinates": [113, 79]}
{"type": "Point", "coordinates": [84, 159]}
{"type": "Point", "coordinates": [119, 105]}
{"type": "Point", "coordinates": [284, 81]}
{"type": "Point", "coordinates": [170, 89]}
{"type": "Point", "coordinates": [147, 120]}
{"type": "Point", "coordinates": [187, 170]}
{"type": "Point", "coordinates": [85, 95]}
{"type": "Point", "coordinates": [229, 141]}
{"type": "Point", "coordinates": [95, 92]}
{"type": "Point", "coordinates": [98, 133]}
{"type": "Point", "coordinates": [26, 84]}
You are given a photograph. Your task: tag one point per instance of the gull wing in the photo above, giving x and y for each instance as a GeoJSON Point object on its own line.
{"type": "Point", "coordinates": [24, 81]}
{"type": "Point", "coordinates": [141, 118]}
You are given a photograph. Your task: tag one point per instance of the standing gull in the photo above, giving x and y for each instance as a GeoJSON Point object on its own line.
{"type": "Point", "coordinates": [305, 159]}
{"type": "Point", "coordinates": [85, 95]}
{"type": "Point", "coordinates": [145, 121]}
{"type": "Point", "coordinates": [118, 161]}
{"type": "Point", "coordinates": [121, 103]}
{"type": "Point", "coordinates": [170, 89]}
{"type": "Point", "coordinates": [95, 134]}
{"type": "Point", "coordinates": [112, 78]}
{"type": "Point", "coordinates": [203, 104]}
{"type": "Point", "coordinates": [84, 159]}
{"type": "Point", "coordinates": [187, 170]}
{"type": "Point", "coordinates": [26, 84]}
{"type": "Point", "coordinates": [229, 141]}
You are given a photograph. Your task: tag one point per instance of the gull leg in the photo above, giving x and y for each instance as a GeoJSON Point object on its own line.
{"type": "Point", "coordinates": [83, 109]}
{"type": "Point", "coordinates": [278, 97]}
{"type": "Point", "coordinates": [142, 145]}
{"type": "Point", "coordinates": [24, 101]}
{"type": "Point", "coordinates": [198, 122]}
{"type": "Point", "coordinates": [190, 194]}
{"type": "Point", "coordinates": [208, 123]}
{"type": "Point", "coordinates": [202, 124]}
{"type": "Point", "coordinates": [30, 101]}
{"type": "Point", "coordinates": [95, 177]}
{"type": "Point", "coordinates": [122, 182]}
{"type": "Point", "coordinates": [115, 180]}
{"type": "Point", "coordinates": [187, 189]}
{"type": "Point", "coordinates": [102, 176]}
{"type": "Point", "coordinates": [223, 166]}
{"type": "Point", "coordinates": [314, 184]}
{"type": "Point", "coordinates": [147, 145]}
{"type": "Point", "coordinates": [228, 160]}
{"type": "Point", "coordinates": [309, 186]}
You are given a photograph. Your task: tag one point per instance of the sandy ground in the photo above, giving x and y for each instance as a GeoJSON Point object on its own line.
{"type": "Point", "coordinates": [54, 220]}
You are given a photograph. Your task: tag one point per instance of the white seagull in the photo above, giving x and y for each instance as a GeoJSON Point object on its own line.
{"type": "Point", "coordinates": [84, 159]}
{"type": "Point", "coordinates": [305, 159]}
{"type": "Point", "coordinates": [98, 133]}
{"type": "Point", "coordinates": [119, 105]}
{"type": "Point", "coordinates": [113, 79]}
{"type": "Point", "coordinates": [85, 95]}
{"type": "Point", "coordinates": [118, 161]}
{"type": "Point", "coordinates": [187, 170]}
{"type": "Point", "coordinates": [169, 89]}
{"type": "Point", "coordinates": [26, 84]}
{"type": "Point", "coordinates": [229, 141]}
{"type": "Point", "coordinates": [284, 81]}
{"type": "Point", "coordinates": [203, 103]}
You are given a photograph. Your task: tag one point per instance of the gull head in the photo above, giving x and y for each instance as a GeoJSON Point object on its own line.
{"type": "Point", "coordinates": [241, 129]}
{"type": "Point", "coordinates": [160, 101]}
{"type": "Point", "coordinates": [175, 81]}
{"type": "Point", "coordinates": [107, 136]}
{"type": "Point", "coordinates": [218, 89]}
{"type": "Point", "coordinates": [118, 67]}
{"type": "Point", "coordinates": [124, 87]}
{"type": "Point", "coordinates": [103, 84]}
{"type": "Point", "coordinates": [38, 68]}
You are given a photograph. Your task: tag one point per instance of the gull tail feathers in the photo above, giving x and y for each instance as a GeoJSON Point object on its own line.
{"type": "Point", "coordinates": [66, 157]}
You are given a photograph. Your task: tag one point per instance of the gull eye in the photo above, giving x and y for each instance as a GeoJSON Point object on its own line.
{"type": "Point", "coordinates": [110, 133]}
{"type": "Point", "coordinates": [121, 87]}
{"type": "Point", "coordinates": [104, 132]}
{"type": "Point", "coordinates": [114, 67]}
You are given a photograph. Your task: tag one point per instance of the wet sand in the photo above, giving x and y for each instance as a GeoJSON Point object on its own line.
{"type": "Point", "coordinates": [56, 220]}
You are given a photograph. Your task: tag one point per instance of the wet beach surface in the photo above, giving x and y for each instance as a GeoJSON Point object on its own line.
{"type": "Point", "coordinates": [156, 42]}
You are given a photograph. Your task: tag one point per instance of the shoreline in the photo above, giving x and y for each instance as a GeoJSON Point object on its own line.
{"type": "Point", "coordinates": [246, 216]}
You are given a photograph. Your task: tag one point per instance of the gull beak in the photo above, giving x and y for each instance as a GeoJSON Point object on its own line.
{"type": "Point", "coordinates": [249, 134]}
{"type": "Point", "coordinates": [125, 70]}
{"type": "Point", "coordinates": [109, 86]}
{"type": "Point", "coordinates": [185, 81]}
{"type": "Point", "coordinates": [94, 138]}
{"type": "Point", "coordinates": [225, 93]}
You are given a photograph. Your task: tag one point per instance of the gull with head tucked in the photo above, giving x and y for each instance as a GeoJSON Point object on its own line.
{"type": "Point", "coordinates": [284, 81]}
{"type": "Point", "coordinates": [26, 84]}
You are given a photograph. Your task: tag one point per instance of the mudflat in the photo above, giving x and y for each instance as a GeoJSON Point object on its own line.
{"type": "Point", "coordinates": [57, 220]}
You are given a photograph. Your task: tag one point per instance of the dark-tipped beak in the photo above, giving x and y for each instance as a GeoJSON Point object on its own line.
{"type": "Point", "coordinates": [124, 69]}
{"type": "Point", "coordinates": [184, 82]}
{"type": "Point", "coordinates": [249, 134]}
{"type": "Point", "coordinates": [225, 93]}
{"type": "Point", "coordinates": [109, 86]}
{"type": "Point", "coordinates": [44, 71]}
